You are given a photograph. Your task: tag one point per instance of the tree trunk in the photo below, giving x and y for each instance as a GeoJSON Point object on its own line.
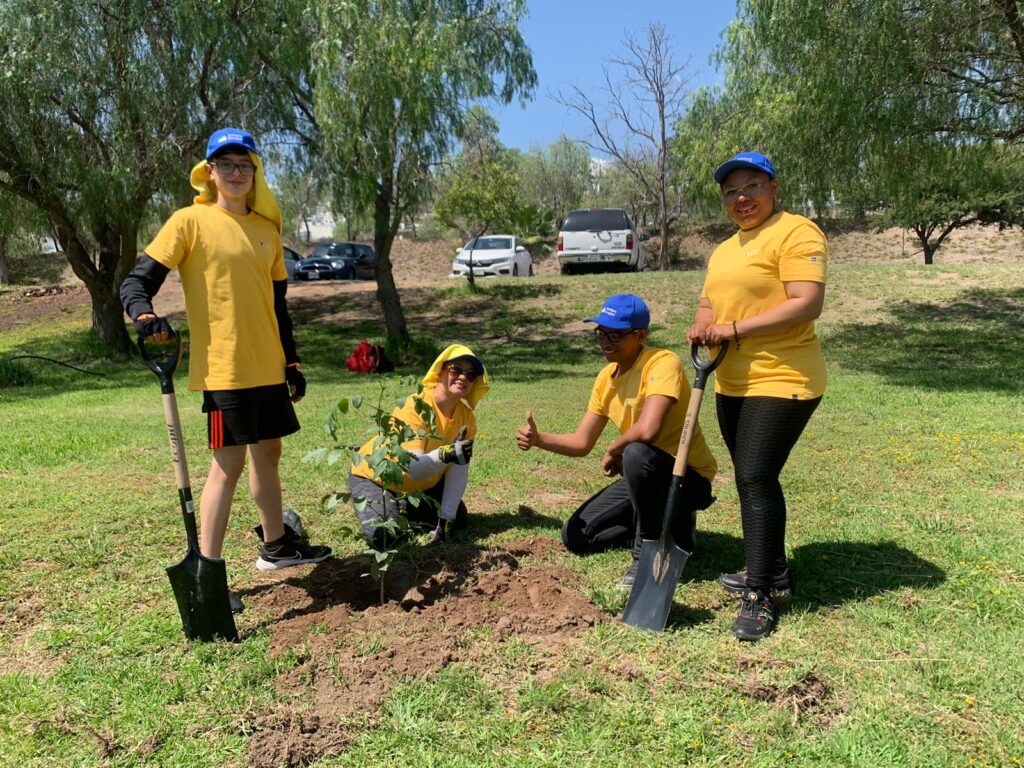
{"type": "Point", "coordinates": [5, 265]}
{"type": "Point", "coordinates": [103, 284]}
{"type": "Point", "coordinates": [387, 291]}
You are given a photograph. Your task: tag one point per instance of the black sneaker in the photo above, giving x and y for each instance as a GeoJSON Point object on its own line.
{"type": "Point", "coordinates": [736, 583]}
{"type": "Point", "coordinates": [237, 606]}
{"type": "Point", "coordinates": [292, 523]}
{"type": "Point", "coordinates": [289, 550]}
{"type": "Point", "coordinates": [756, 617]}
{"type": "Point", "coordinates": [629, 577]}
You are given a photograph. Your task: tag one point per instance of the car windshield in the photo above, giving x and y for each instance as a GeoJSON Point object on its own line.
{"type": "Point", "coordinates": [600, 220]}
{"type": "Point", "coordinates": [489, 244]}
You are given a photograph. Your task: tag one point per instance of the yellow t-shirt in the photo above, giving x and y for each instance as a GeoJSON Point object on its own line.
{"type": "Point", "coordinates": [746, 276]}
{"type": "Point", "coordinates": [447, 428]}
{"type": "Point", "coordinates": [227, 265]}
{"type": "Point", "coordinates": [655, 372]}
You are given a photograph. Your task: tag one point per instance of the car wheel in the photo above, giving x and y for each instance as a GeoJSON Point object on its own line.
{"type": "Point", "coordinates": [530, 273]}
{"type": "Point", "coordinates": [515, 270]}
{"type": "Point", "coordinates": [568, 269]}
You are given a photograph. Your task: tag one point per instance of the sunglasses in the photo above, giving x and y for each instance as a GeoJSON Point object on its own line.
{"type": "Point", "coordinates": [226, 167]}
{"type": "Point", "coordinates": [613, 336]}
{"type": "Point", "coordinates": [458, 370]}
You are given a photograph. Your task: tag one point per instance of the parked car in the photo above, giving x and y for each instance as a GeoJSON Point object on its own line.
{"type": "Point", "coordinates": [291, 260]}
{"type": "Point", "coordinates": [341, 261]}
{"type": "Point", "coordinates": [600, 238]}
{"type": "Point", "coordinates": [493, 255]}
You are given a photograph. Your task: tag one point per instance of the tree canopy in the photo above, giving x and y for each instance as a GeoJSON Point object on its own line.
{"type": "Point", "coordinates": [103, 105]}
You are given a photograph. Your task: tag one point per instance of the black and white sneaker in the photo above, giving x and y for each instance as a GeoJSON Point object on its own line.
{"type": "Point", "coordinates": [756, 617]}
{"type": "Point", "coordinates": [289, 550]}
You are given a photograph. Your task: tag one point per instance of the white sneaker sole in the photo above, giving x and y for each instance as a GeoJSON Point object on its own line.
{"type": "Point", "coordinates": [274, 565]}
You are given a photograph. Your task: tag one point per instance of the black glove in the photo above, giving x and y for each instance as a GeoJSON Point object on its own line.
{"type": "Point", "coordinates": [443, 532]}
{"type": "Point", "coordinates": [152, 326]}
{"type": "Point", "coordinates": [296, 382]}
{"type": "Point", "coordinates": [459, 452]}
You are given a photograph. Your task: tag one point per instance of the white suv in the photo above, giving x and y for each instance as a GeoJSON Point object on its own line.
{"type": "Point", "coordinates": [599, 237]}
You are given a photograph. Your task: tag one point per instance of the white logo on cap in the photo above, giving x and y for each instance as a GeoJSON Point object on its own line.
{"type": "Point", "coordinates": [608, 311]}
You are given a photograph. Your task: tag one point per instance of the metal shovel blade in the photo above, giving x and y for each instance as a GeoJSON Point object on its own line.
{"type": "Point", "coordinates": [200, 586]}
{"type": "Point", "coordinates": [661, 564]}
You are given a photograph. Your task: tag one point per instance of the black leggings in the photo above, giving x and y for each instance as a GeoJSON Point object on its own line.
{"type": "Point", "coordinates": [632, 508]}
{"type": "Point", "coordinates": [760, 432]}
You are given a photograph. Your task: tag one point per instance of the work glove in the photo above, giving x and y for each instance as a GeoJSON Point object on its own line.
{"type": "Point", "coordinates": [459, 452]}
{"type": "Point", "coordinates": [444, 531]}
{"type": "Point", "coordinates": [296, 382]}
{"type": "Point", "coordinates": [153, 326]}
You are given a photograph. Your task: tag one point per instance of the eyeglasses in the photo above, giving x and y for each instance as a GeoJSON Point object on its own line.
{"type": "Point", "coordinates": [613, 336]}
{"type": "Point", "coordinates": [748, 190]}
{"type": "Point", "coordinates": [227, 167]}
{"type": "Point", "coordinates": [458, 370]}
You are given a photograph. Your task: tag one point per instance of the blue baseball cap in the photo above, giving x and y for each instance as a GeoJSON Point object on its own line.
{"type": "Point", "coordinates": [234, 138]}
{"type": "Point", "coordinates": [623, 312]}
{"type": "Point", "coordinates": [755, 161]}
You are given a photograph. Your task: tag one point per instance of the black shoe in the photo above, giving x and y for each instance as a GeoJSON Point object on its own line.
{"type": "Point", "coordinates": [237, 606]}
{"type": "Point", "coordinates": [736, 583]}
{"type": "Point", "coordinates": [289, 550]}
{"type": "Point", "coordinates": [291, 521]}
{"type": "Point", "coordinates": [629, 577]}
{"type": "Point", "coordinates": [756, 617]}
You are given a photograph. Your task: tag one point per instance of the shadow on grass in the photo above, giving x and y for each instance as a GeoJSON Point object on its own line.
{"type": "Point", "coordinates": [974, 342]}
{"type": "Point", "coordinates": [830, 573]}
{"type": "Point", "coordinates": [429, 573]}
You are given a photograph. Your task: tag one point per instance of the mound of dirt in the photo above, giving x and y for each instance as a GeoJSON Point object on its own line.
{"type": "Point", "coordinates": [437, 612]}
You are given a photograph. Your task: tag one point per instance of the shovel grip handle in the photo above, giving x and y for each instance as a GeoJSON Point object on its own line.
{"type": "Point", "coordinates": [705, 367]}
{"type": "Point", "coordinates": [164, 369]}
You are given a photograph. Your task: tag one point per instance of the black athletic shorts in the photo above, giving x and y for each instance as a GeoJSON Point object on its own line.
{"type": "Point", "coordinates": [245, 416]}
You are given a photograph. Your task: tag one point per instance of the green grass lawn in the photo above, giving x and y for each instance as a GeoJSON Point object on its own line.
{"type": "Point", "coordinates": [902, 648]}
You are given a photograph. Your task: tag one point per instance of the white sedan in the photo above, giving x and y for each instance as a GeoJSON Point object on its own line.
{"type": "Point", "coordinates": [493, 255]}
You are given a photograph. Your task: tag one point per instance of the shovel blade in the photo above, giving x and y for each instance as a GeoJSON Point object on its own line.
{"type": "Point", "coordinates": [661, 564]}
{"type": "Point", "coordinates": [200, 587]}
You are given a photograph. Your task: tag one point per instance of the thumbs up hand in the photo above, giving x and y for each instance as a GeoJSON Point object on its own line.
{"type": "Point", "coordinates": [527, 436]}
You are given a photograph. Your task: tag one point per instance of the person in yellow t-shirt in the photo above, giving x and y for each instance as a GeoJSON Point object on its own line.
{"type": "Point", "coordinates": [764, 288]}
{"type": "Point", "coordinates": [228, 251]}
{"type": "Point", "coordinates": [643, 391]}
{"type": "Point", "coordinates": [452, 388]}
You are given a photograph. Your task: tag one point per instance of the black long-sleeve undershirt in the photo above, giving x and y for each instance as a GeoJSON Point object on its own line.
{"type": "Point", "coordinates": [145, 280]}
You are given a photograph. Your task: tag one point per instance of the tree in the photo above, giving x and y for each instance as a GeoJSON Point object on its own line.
{"type": "Point", "coordinates": [480, 191]}
{"type": "Point", "coordinates": [935, 192]}
{"type": "Point", "coordinates": [556, 177]}
{"type": "Point", "coordinates": [21, 229]}
{"type": "Point", "coordinates": [103, 105]}
{"type": "Point", "coordinates": [649, 101]}
{"type": "Point", "coordinates": [882, 107]}
{"type": "Point", "coordinates": [299, 194]}
{"type": "Point", "coordinates": [392, 81]}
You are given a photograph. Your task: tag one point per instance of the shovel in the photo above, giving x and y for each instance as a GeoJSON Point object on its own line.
{"type": "Point", "coordinates": [662, 560]}
{"type": "Point", "coordinates": [200, 583]}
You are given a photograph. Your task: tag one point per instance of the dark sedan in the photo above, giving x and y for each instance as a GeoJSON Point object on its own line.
{"type": "Point", "coordinates": [341, 261]}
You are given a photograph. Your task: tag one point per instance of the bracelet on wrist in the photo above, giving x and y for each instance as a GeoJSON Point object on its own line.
{"type": "Point", "coordinates": [735, 334]}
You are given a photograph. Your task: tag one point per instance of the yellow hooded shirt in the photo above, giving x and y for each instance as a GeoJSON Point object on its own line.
{"type": "Point", "coordinates": [447, 428]}
{"type": "Point", "coordinates": [228, 264]}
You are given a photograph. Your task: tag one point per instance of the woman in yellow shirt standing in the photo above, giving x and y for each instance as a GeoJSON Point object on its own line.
{"type": "Point", "coordinates": [764, 288]}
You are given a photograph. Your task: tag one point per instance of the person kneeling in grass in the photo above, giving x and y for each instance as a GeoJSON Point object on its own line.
{"type": "Point", "coordinates": [452, 388]}
{"type": "Point", "coordinates": [643, 391]}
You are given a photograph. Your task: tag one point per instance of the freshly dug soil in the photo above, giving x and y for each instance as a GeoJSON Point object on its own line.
{"type": "Point", "coordinates": [450, 609]}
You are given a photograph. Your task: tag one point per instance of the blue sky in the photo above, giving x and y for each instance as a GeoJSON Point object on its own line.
{"type": "Point", "coordinates": [572, 39]}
